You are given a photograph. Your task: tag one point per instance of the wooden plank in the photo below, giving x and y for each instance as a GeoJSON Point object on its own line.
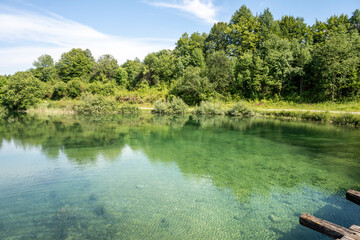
{"type": "Point", "coordinates": [327, 228]}
{"type": "Point", "coordinates": [355, 228]}
{"type": "Point", "coordinates": [353, 196]}
{"type": "Point", "coordinates": [346, 238]}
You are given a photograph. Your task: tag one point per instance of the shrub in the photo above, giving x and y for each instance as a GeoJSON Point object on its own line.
{"type": "Point", "coordinates": [315, 116]}
{"type": "Point", "coordinates": [22, 91]}
{"type": "Point", "coordinates": [74, 88]}
{"type": "Point", "coordinates": [160, 106]}
{"type": "Point", "coordinates": [128, 108]}
{"type": "Point", "coordinates": [175, 106]}
{"type": "Point", "coordinates": [59, 90]}
{"type": "Point", "coordinates": [208, 108]}
{"type": "Point", "coordinates": [240, 109]}
{"type": "Point", "coordinates": [347, 119]}
{"type": "Point", "coordinates": [96, 104]}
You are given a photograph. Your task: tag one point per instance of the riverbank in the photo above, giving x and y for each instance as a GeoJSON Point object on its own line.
{"type": "Point", "coordinates": [347, 114]}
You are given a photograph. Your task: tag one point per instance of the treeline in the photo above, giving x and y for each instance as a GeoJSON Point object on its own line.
{"type": "Point", "coordinates": [251, 57]}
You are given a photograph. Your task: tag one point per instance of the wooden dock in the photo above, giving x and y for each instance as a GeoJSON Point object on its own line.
{"type": "Point", "coordinates": [330, 229]}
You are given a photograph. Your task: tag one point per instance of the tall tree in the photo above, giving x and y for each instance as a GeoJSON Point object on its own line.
{"type": "Point", "coordinates": [355, 20]}
{"type": "Point", "coordinates": [106, 68]}
{"type": "Point", "coordinates": [217, 39]}
{"type": "Point", "coordinates": [295, 28]}
{"type": "Point", "coordinates": [335, 67]}
{"type": "Point", "coordinates": [75, 63]}
{"type": "Point", "coordinates": [44, 67]}
{"type": "Point", "coordinates": [243, 31]}
{"type": "Point", "coordinates": [220, 71]}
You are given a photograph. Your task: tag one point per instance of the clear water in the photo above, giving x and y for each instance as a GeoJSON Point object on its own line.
{"type": "Point", "coordinates": [153, 177]}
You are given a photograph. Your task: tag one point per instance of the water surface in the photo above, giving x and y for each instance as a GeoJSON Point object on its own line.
{"type": "Point", "coordinates": [165, 177]}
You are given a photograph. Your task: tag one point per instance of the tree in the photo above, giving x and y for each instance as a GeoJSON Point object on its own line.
{"type": "Point", "coordinates": [190, 50]}
{"type": "Point", "coordinates": [44, 67]}
{"type": "Point", "coordinates": [22, 91]}
{"type": "Point", "coordinates": [134, 70]}
{"type": "Point", "coordinates": [161, 67]}
{"type": "Point", "coordinates": [319, 32]}
{"type": "Point", "coordinates": [193, 87]}
{"type": "Point", "coordinates": [338, 24]}
{"type": "Point", "coordinates": [75, 63]}
{"type": "Point", "coordinates": [220, 71]}
{"type": "Point", "coordinates": [301, 57]}
{"type": "Point", "coordinates": [217, 39]}
{"type": "Point", "coordinates": [277, 55]}
{"type": "Point", "coordinates": [355, 20]}
{"type": "Point", "coordinates": [295, 28]}
{"type": "Point", "coordinates": [252, 80]}
{"type": "Point", "coordinates": [267, 25]}
{"type": "Point", "coordinates": [105, 68]}
{"type": "Point", "coordinates": [121, 77]}
{"type": "Point", "coordinates": [243, 31]}
{"type": "Point", "coordinates": [335, 67]}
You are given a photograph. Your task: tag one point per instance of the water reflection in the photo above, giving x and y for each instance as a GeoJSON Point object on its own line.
{"type": "Point", "coordinates": [245, 155]}
{"type": "Point", "coordinates": [166, 177]}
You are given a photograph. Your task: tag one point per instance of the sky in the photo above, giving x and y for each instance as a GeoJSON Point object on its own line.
{"type": "Point", "coordinates": [127, 29]}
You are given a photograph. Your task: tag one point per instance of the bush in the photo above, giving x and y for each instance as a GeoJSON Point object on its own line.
{"type": "Point", "coordinates": [240, 109]}
{"type": "Point", "coordinates": [59, 90]}
{"type": "Point", "coordinates": [95, 104]}
{"type": "Point", "coordinates": [128, 108]}
{"type": "Point", "coordinates": [160, 106]}
{"type": "Point", "coordinates": [175, 106]}
{"type": "Point", "coordinates": [315, 116]}
{"type": "Point", "coordinates": [22, 91]}
{"type": "Point", "coordinates": [347, 120]}
{"type": "Point", "coordinates": [74, 88]}
{"type": "Point", "coordinates": [207, 108]}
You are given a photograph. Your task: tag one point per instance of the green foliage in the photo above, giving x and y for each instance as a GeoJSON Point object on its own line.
{"type": "Point", "coordinates": [160, 106]}
{"type": "Point", "coordinates": [175, 106]}
{"type": "Point", "coordinates": [220, 71]}
{"type": "Point", "coordinates": [121, 78]}
{"type": "Point", "coordinates": [45, 70]}
{"type": "Point", "coordinates": [193, 87]}
{"type": "Point", "coordinates": [128, 108]}
{"type": "Point", "coordinates": [335, 67]}
{"type": "Point", "coordinates": [22, 91]}
{"type": "Point", "coordinates": [243, 31]}
{"type": "Point", "coordinates": [240, 109]}
{"type": "Point", "coordinates": [59, 90]}
{"type": "Point", "coordinates": [74, 88]}
{"type": "Point", "coordinates": [96, 104]}
{"type": "Point", "coordinates": [347, 120]}
{"type": "Point", "coordinates": [209, 108]}
{"type": "Point", "coordinates": [106, 68]}
{"type": "Point", "coordinates": [75, 63]}
{"type": "Point", "coordinates": [251, 57]}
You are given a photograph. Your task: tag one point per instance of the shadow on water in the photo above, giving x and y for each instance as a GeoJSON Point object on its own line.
{"type": "Point", "coordinates": [338, 210]}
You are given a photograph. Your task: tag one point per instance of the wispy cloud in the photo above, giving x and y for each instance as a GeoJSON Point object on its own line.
{"type": "Point", "coordinates": [27, 35]}
{"type": "Point", "coordinates": [203, 9]}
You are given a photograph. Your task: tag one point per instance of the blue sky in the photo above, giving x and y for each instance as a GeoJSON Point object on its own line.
{"type": "Point", "coordinates": [126, 29]}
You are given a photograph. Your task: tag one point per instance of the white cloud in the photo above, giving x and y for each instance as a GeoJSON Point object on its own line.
{"type": "Point", "coordinates": [27, 35]}
{"type": "Point", "coordinates": [203, 9]}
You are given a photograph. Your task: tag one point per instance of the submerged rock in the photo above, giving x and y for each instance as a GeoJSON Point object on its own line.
{"type": "Point", "coordinates": [140, 186]}
{"type": "Point", "coordinates": [92, 197]}
{"type": "Point", "coordinates": [274, 218]}
{"type": "Point", "coordinates": [99, 211]}
{"type": "Point", "coordinates": [164, 223]}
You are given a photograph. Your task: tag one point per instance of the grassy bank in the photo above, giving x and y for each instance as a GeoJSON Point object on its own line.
{"type": "Point", "coordinates": [94, 104]}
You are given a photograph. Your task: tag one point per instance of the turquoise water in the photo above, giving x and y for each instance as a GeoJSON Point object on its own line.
{"type": "Point", "coordinates": [164, 177]}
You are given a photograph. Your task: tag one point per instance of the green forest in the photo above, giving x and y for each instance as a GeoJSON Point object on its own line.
{"type": "Point", "coordinates": [251, 57]}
